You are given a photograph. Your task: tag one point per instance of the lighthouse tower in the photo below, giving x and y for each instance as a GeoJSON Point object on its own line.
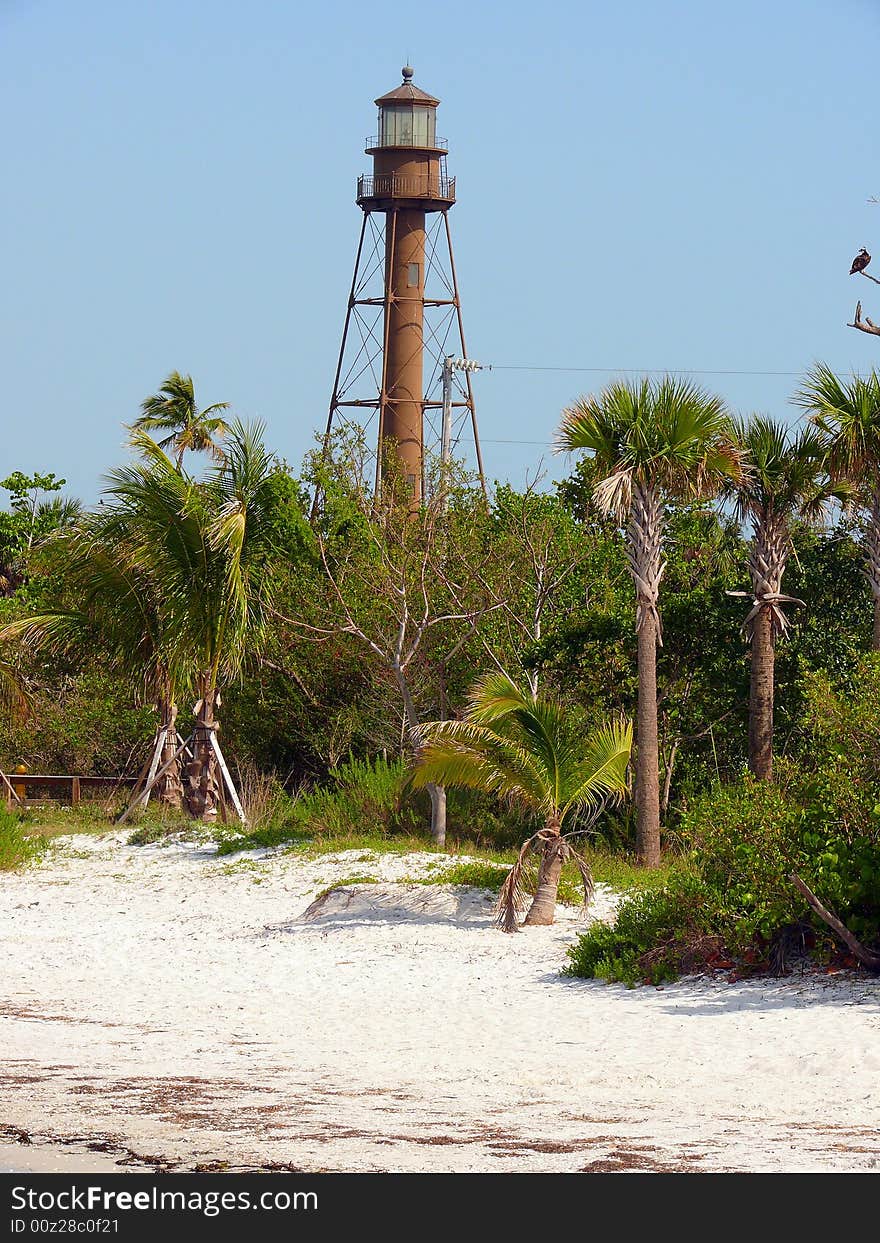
{"type": "Point", "coordinates": [404, 313]}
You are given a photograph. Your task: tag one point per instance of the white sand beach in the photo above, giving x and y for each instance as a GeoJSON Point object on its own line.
{"type": "Point", "coordinates": [174, 1010]}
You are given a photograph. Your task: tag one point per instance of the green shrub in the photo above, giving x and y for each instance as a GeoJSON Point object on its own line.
{"type": "Point", "coordinates": [362, 796]}
{"type": "Point", "coordinates": [743, 841]}
{"type": "Point", "coordinates": [747, 840]}
{"type": "Point", "coordinates": [16, 848]}
{"type": "Point", "coordinates": [658, 935]}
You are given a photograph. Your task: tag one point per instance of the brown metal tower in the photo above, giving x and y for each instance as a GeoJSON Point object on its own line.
{"type": "Point", "coordinates": [404, 313]}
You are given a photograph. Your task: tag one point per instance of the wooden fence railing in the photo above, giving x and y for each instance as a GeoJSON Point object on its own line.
{"type": "Point", "coordinates": [25, 789]}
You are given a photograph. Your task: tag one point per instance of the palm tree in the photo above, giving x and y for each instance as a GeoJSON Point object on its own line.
{"type": "Point", "coordinates": [520, 747]}
{"type": "Point", "coordinates": [173, 409]}
{"type": "Point", "coordinates": [209, 545]}
{"type": "Point", "coordinates": [785, 480]}
{"type": "Point", "coordinates": [848, 416]}
{"type": "Point", "coordinates": [116, 608]}
{"type": "Point", "coordinates": [651, 441]}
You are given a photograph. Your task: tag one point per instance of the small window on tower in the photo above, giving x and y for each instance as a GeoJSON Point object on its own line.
{"type": "Point", "coordinates": [413, 276]}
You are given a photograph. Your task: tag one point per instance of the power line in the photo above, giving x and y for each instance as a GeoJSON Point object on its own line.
{"type": "Point", "coordinates": [649, 370]}
{"type": "Point", "coordinates": [547, 444]}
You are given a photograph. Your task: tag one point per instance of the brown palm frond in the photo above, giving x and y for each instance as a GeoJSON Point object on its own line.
{"type": "Point", "coordinates": [570, 855]}
{"type": "Point", "coordinates": [613, 495]}
{"type": "Point", "coordinates": [513, 896]}
{"type": "Point", "coordinates": [15, 697]}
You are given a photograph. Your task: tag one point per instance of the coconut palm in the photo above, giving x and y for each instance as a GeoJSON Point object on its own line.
{"type": "Point", "coordinates": [209, 545]}
{"type": "Point", "coordinates": [650, 441]}
{"type": "Point", "coordinates": [174, 410]}
{"type": "Point", "coordinates": [784, 480]}
{"type": "Point", "coordinates": [118, 611]}
{"type": "Point", "coordinates": [848, 415]}
{"type": "Point", "coordinates": [522, 748]}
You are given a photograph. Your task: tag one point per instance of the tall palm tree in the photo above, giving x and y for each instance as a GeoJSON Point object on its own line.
{"type": "Point", "coordinates": [848, 416]}
{"type": "Point", "coordinates": [113, 605]}
{"type": "Point", "coordinates": [784, 480]}
{"type": "Point", "coordinates": [520, 747]}
{"type": "Point", "coordinates": [174, 410]}
{"type": "Point", "coordinates": [210, 545]}
{"type": "Point", "coordinates": [650, 441]}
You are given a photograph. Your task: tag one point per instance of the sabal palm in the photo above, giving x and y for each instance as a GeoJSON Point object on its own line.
{"type": "Point", "coordinates": [650, 441]}
{"type": "Point", "coordinates": [174, 410]}
{"type": "Point", "coordinates": [784, 481]}
{"type": "Point", "coordinates": [847, 414]}
{"type": "Point", "coordinates": [522, 748]}
{"type": "Point", "coordinates": [210, 544]}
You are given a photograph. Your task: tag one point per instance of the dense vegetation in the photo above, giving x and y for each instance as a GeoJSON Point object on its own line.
{"type": "Point", "coordinates": [333, 638]}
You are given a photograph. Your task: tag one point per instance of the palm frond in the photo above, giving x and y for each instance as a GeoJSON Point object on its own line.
{"type": "Point", "coordinates": [521, 747]}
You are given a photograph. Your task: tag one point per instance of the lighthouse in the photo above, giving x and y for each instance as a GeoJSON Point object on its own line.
{"type": "Point", "coordinates": [403, 316]}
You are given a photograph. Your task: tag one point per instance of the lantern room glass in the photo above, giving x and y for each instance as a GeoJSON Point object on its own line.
{"type": "Point", "coordinates": [407, 126]}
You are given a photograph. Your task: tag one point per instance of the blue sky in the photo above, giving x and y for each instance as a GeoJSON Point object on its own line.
{"type": "Point", "coordinates": [676, 185]}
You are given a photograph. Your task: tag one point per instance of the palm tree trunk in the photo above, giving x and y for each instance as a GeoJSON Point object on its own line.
{"type": "Point", "coordinates": [438, 814]}
{"type": "Point", "coordinates": [168, 788]}
{"type": "Point", "coordinates": [202, 787]}
{"type": "Point", "coordinates": [647, 750]}
{"type": "Point", "coordinates": [872, 564]}
{"type": "Point", "coordinates": [543, 908]}
{"type": "Point", "coordinates": [761, 697]}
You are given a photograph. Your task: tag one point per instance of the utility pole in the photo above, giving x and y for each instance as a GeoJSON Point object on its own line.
{"type": "Point", "coordinates": [450, 365]}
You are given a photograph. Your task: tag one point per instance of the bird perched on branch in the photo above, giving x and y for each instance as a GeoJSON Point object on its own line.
{"type": "Point", "coordinates": [860, 262]}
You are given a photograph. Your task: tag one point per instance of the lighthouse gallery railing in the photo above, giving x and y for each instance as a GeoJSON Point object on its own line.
{"type": "Point", "coordinates": [394, 186]}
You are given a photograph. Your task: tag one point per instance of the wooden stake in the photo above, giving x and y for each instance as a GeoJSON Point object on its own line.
{"type": "Point", "coordinates": [12, 793]}
{"type": "Point", "coordinates": [161, 733]}
{"type": "Point", "coordinates": [233, 793]}
{"type": "Point", "coordinates": [161, 773]}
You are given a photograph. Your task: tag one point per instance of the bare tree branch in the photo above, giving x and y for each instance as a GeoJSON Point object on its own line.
{"type": "Point", "coordinates": [865, 956]}
{"type": "Point", "coordinates": [864, 325]}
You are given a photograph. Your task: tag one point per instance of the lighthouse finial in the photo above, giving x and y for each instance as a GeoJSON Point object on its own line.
{"type": "Point", "coordinates": [407, 72]}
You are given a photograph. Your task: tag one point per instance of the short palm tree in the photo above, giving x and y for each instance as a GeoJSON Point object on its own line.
{"type": "Point", "coordinates": [113, 605]}
{"type": "Point", "coordinates": [651, 441]}
{"type": "Point", "coordinates": [174, 410]}
{"type": "Point", "coordinates": [521, 747]}
{"type": "Point", "coordinates": [784, 481]}
{"type": "Point", "coordinates": [847, 414]}
{"type": "Point", "coordinates": [210, 544]}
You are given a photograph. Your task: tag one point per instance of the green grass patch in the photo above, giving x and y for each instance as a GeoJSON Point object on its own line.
{"type": "Point", "coordinates": [165, 831]}
{"type": "Point", "coordinates": [622, 872]}
{"type": "Point", "coordinates": [52, 820]}
{"type": "Point", "coordinates": [345, 883]}
{"type": "Point", "coordinates": [483, 874]}
{"type": "Point", "coordinates": [17, 847]}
